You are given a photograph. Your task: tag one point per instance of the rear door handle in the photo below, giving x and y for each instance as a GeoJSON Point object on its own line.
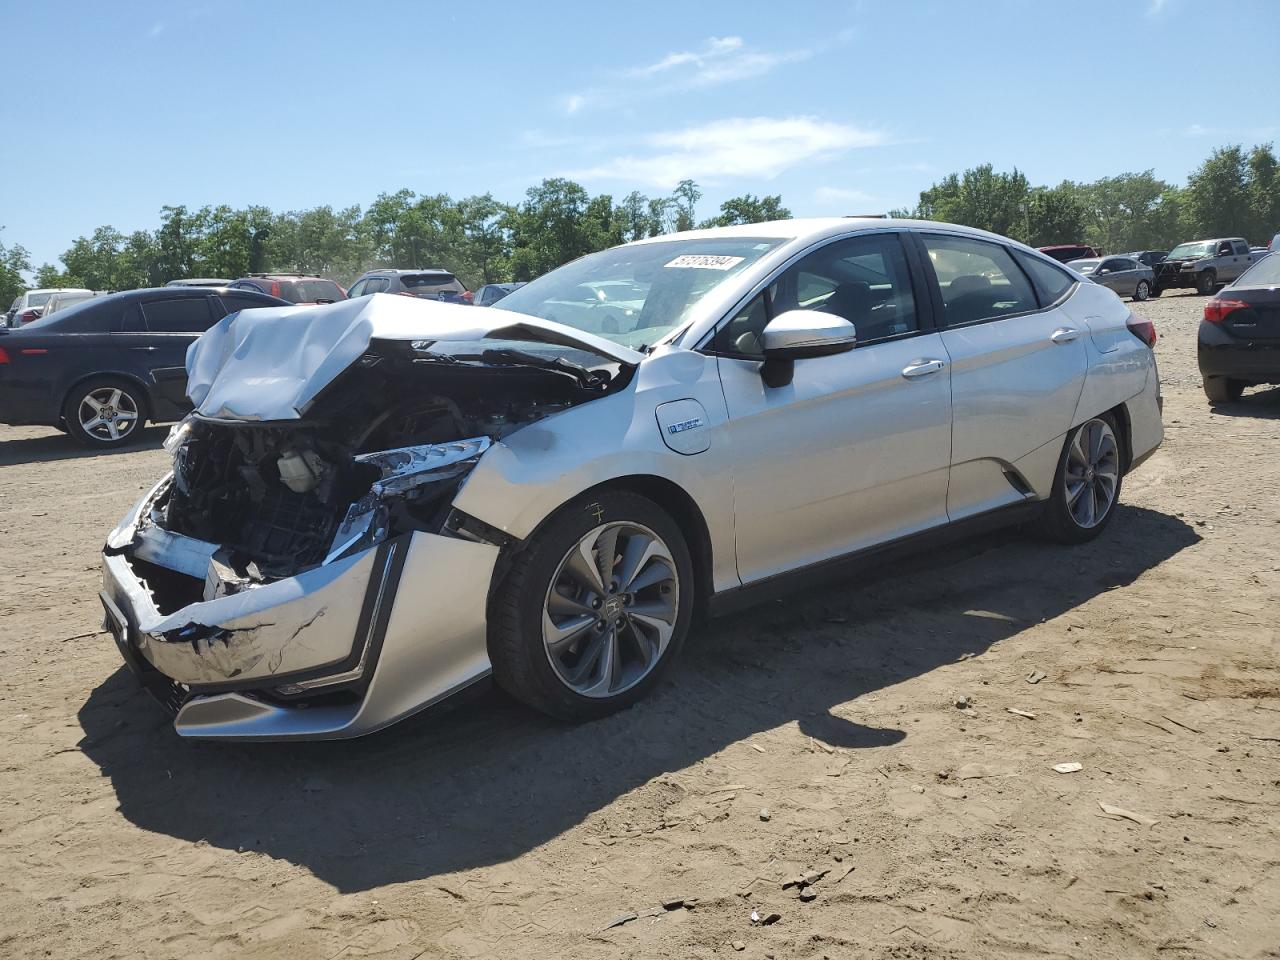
{"type": "Point", "coordinates": [922, 368]}
{"type": "Point", "coordinates": [1064, 335]}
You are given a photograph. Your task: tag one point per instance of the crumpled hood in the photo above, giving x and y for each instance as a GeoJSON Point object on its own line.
{"type": "Point", "coordinates": [270, 363]}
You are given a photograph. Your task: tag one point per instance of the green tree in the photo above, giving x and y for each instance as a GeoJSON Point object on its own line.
{"type": "Point", "coordinates": [1217, 197]}
{"type": "Point", "coordinates": [1263, 194]}
{"type": "Point", "coordinates": [979, 198]}
{"type": "Point", "coordinates": [685, 197]}
{"type": "Point", "coordinates": [14, 262]}
{"type": "Point", "coordinates": [634, 216]}
{"type": "Point", "coordinates": [1054, 215]}
{"type": "Point", "coordinates": [748, 209]}
{"type": "Point", "coordinates": [550, 228]}
{"type": "Point", "coordinates": [1124, 212]}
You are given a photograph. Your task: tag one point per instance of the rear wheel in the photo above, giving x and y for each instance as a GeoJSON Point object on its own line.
{"type": "Point", "coordinates": [1086, 487]}
{"type": "Point", "coordinates": [104, 412]}
{"type": "Point", "coordinates": [594, 609]}
{"type": "Point", "coordinates": [1142, 291]}
{"type": "Point", "coordinates": [1205, 282]}
{"type": "Point", "coordinates": [1155, 290]}
{"type": "Point", "coordinates": [1223, 389]}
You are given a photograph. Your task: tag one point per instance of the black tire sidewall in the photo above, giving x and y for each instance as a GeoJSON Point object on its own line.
{"type": "Point", "coordinates": [1139, 294]}
{"type": "Point", "coordinates": [71, 411]}
{"type": "Point", "coordinates": [1205, 282]}
{"type": "Point", "coordinates": [520, 662]}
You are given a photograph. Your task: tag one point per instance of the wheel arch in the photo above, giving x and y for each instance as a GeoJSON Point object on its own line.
{"type": "Point", "coordinates": [674, 499]}
{"type": "Point", "coordinates": [142, 385]}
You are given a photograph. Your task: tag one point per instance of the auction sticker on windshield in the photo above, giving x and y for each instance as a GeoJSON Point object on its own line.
{"type": "Point", "coordinates": [707, 261]}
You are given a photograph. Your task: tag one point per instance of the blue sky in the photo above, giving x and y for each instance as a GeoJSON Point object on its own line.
{"type": "Point", "coordinates": [112, 110]}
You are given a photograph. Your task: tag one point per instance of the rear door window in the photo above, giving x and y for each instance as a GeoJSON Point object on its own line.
{"type": "Point", "coordinates": [1241, 248]}
{"type": "Point", "coordinates": [178, 316]}
{"type": "Point", "coordinates": [979, 280]}
{"type": "Point", "coordinates": [376, 285]}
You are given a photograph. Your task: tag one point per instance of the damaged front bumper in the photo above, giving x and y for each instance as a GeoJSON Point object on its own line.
{"type": "Point", "coordinates": [336, 651]}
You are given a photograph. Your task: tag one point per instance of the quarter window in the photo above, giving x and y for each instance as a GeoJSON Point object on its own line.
{"type": "Point", "coordinates": [1051, 282]}
{"type": "Point", "coordinates": [978, 280]}
{"type": "Point", "coordinates": [357, 289]}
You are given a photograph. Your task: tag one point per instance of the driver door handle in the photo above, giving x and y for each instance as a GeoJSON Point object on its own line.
{"type": "Point", "coordinates": [922, 368]}
{"type": "Point", "coordinates": [1065, 335]}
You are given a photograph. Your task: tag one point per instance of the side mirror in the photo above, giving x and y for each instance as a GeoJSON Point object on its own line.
{"type": "Point", "coordinates": [800, 335]}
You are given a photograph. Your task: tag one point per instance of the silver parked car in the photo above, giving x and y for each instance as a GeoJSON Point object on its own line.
{"type": "Point", "coordinates": [379, 502]}
{"type": "Point", "coordinates": [1125, 275]}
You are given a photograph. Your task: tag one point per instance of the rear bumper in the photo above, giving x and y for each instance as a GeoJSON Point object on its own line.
{"type": "Point", "coordinates": [24, 405]}
{"type": "Point", "coordinates": [1219, 354]}
{"type": "Point", "coordinates": [335, 652]}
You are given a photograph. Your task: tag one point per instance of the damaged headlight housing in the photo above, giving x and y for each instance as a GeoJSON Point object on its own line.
{"type": "Point", "coordinates": [178, 435]}
{"type": "Point", "coordinates": [404, 470]}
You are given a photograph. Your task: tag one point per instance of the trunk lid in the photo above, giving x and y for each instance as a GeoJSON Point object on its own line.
{"type": "Point", "coordinates": [271, 363]}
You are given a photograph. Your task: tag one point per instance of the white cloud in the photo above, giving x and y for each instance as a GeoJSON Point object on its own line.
{"type": "Point", "coordinates": [718, 61]}
{"type": "Point", "coordinates": [737, 148]}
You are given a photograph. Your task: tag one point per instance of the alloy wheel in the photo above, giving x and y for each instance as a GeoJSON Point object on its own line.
{"type": "Point", "coordinates": [1092, 473]}
{"type": "Point", "coordinates": [108, 414]}
{"type": "Point", "coordinates": [611, 609]}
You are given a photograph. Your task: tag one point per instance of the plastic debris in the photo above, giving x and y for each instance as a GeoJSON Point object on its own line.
{"type": "Point", "coordinates": [1071, 767]}
{"type": "Point", "coordinates": [1035, 676]}
{"type": "Point", "coordinates": [619, 920]}
{"type": "Point", "coordinates": [1139, 818]}
{"type": "Point", "coordinates": [1020, 713]}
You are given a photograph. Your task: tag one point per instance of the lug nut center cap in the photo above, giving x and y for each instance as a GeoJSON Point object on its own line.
{"type": "Point", "coordinates": [613, 608]}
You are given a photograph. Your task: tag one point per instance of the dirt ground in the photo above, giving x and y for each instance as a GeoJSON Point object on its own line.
{"type": "Point", "coordinates": [864, 730]}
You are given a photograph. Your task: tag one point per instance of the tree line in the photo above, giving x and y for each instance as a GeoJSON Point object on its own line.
{"type": "Point", "coordinates": [1235, 192]}
{"type": "Point", "coordinates": [478, 238]}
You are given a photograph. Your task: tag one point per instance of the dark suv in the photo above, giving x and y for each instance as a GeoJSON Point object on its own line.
{"type": "Point", "coordinates": [103, 368]}
{"type": "Point", "coordinates": [294, 287]}
{"type": "Point", "coordinates": [427, 284]}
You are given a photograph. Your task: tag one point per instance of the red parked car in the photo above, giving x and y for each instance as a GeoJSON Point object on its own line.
{"type": "Point", "coordinates": [294, 287]}
{"type": "Point", "coordinates": [1066, 252]}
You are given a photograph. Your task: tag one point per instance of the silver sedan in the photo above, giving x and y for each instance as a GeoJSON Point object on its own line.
{"type": "Point", "coordinates": [1125, 275]}
{"type": "Point", "coordinates": [381, 501]}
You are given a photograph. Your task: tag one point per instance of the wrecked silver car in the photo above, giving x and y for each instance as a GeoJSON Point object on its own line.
{"type": "Point", "coordinates": [379, 502]}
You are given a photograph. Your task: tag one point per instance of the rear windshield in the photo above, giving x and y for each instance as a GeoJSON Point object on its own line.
{"type": "Point", "coordinates": [414, 280]}
{"type": "Point", "coordinates": [1264, 273]}
{"type": "Point", "coordinates": [309, 291]}
{"type": "Point", "coordinates": [38, 299]}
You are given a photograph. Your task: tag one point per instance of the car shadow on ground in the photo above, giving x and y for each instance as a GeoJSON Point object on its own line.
{"type": "Point", "coordinates": [1258, 403]}
{"type": "Point", "coordinates": [489, 780]}
{"type": "Point", "coordinates": [59, 446]}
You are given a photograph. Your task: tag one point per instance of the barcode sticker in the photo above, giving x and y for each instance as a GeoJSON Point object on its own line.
{"type": "Point", "coordinates": [704, 261]}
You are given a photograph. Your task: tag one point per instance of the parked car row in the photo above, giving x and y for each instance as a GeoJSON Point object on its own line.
{"type": "Point", "coordinates": [33, 304]}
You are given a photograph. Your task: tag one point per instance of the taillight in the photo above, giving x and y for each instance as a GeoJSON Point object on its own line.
{"type": "Point", "coordinates": [1142, 328]}
{"type": "Point", "coordinates": [4, 356]}
{"type": "Point", "coordinates": [28, 316]}
{"type": "Point", "coordinates": [1217, 309]}
{"type": "Point", "coordinates": [275, 288]}
{"type": "Point", "coordinates": [468, 296]}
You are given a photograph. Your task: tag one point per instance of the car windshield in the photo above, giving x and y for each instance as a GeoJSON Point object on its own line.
{"type": "Point", "coordinates": [1264, 273]}
{"type": "Point", "coordinates": [636, 294]}
{"type": "Point", "coordinates": [38, 299]}
{"type": "Point", "coordinates": [1202, 248]}
{"type": "Point", "coordinates": [1084, 266]}
{"type": "Point", "coordinates": [310, 291]}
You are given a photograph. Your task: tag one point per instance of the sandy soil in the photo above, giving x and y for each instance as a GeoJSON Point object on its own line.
{"type": "Point", "coordinates": [489, 831]}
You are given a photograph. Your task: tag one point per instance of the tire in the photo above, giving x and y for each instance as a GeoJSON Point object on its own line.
{"type": "Point", "coordinates": [1155, 290]}
{"type": "Point", "coordinates": [572, 646]}
{"type": "Point", "coordinates": [1080, 474]}
{"type": "Point", "coordinates": [1142, 291]}
{"type": "Point", "coordinates": [1223, 389]}
{"type": "Point", "coordinates": [1205, 282]}
{"type": "Point", "coordinates": [125, 406]}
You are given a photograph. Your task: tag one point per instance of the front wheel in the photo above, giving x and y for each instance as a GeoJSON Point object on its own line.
{"type": "Point", "coordinates": [1223, 389]}
{"type": "Point", "coordinates": [594, 609]}
{"type": "Point", "coordinates": [104, 412]}
{"type": "Point", "coordinates": [1086, 487]}
{"type": "Point", "coordinates": [1155, 290]}
{"type": "Point", "coordinates": [1142, 291]}
{"type": "Point", "coordinates": [1205, 282]}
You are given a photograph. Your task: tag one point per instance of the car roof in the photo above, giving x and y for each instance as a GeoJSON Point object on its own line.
{"type": "Point", "coordinates": [818, 228]}
{"type": "Point", "coordinates": [281, 276]}
{"type": "Point", "coordinates": [399, 271]}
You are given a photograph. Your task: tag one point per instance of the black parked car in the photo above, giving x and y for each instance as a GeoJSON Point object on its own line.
{"type": "Point", "coordinates": [1239, 341]}
{"type": "Point", "coordinates": [103, 368]}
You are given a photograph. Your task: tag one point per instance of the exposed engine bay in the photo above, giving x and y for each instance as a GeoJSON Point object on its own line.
{"type": "Point", "coordinates": [380, 452]}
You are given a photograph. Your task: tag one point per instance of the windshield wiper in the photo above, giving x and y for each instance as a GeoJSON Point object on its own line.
{"type": "Point", "coordinates": [588, 379]}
